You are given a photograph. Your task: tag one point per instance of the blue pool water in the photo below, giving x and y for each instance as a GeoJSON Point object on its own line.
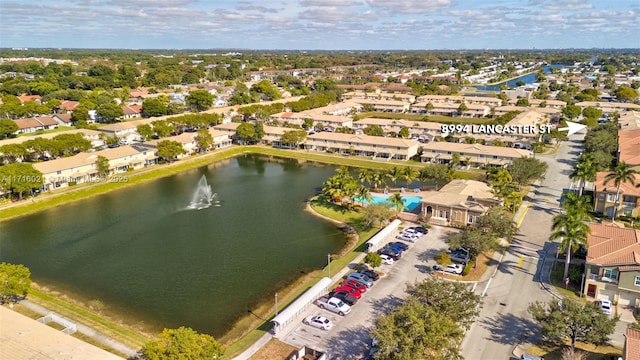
{"type": "Point", "coordinates": [411, 201]}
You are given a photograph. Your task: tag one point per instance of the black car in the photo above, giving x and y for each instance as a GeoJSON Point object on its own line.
{"type": "Point", "coordinates": [394, 248]}
{"type": "Point", "coordinates": [390, 253]}
{"type": "Point", "coordinates": [371, 274]}
{"type": "Point", "coordinates": [399, 245]}
{"type": "Point", "coordinates": [420, 229]}
{"type": "Point", "coordinates": [344, 296]}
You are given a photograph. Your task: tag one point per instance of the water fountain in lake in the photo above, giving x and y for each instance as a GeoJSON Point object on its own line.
{"type": "Point", "coordinates": [203, 196]}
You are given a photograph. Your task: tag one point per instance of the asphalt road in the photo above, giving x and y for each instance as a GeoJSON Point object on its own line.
{"type": "Point", "coordinates": [504, 321]}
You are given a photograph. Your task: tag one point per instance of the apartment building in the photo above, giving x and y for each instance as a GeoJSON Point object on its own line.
{"type": "Point", "coordinates": [474, 155]}
{"type": "Point", "coordinates": [375, 147]}
{"type": "Point", "coordinates": [612, 264]}
{"type": "Point", "coordinates": [606, 201]}
{"type": "Point", "coordinates": [460, 203]}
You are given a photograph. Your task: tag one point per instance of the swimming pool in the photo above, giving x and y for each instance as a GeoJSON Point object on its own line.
{"type": "Point", "coordinates": [410, 201]}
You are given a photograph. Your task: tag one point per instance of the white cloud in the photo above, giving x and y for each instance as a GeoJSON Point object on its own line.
{"type": "Point", "coordinates": [410, 6]}
{"type": "Point", "coordinates": [330, 3]}
{"type": "Point", "coordinates": [569, 5]}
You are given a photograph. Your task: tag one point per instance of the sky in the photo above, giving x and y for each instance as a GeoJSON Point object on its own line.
{"type": "Point", "coordinates": [320, 24]}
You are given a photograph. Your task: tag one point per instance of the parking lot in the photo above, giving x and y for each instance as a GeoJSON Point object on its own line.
{"type": "Point", "coordinates": [349, 338]}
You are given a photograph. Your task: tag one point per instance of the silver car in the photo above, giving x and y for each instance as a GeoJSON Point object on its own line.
{"type": "Point", "coordinates": [362, 278]}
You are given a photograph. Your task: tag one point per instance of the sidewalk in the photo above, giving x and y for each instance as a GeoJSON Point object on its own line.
{"type": "Point", "coordinates": [85, 330]}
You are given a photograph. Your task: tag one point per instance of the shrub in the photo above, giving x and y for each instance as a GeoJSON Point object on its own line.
{"type": "Point", "coordinates": [467, 268]}
{"type": "Point", "coordinates": [443, 259]}
{"type": "Point", "coordinates": [373, 259]}
{"type": "Point", "coordinates": [72, 183]}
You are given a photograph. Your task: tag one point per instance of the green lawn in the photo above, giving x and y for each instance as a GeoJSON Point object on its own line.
{"type": "Point", "coordinates": [554, 351]}
{"type": "Point", "coordinates": [433, 118]}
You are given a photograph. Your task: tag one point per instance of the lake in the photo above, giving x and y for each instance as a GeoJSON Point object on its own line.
{"type": "Point", "coordinates": [139, 251]}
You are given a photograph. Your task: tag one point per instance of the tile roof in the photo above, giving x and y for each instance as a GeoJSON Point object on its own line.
{"type": "Point", "coordinates": [25, 98]}
{"type": "Point", "coordinates": [65, 118]}
{"type": "Point", "coordinates": [610, 244]}
{"type": "Point", "coordinates": [84, 158]}
{"type": "Point", "coordinates": [625, 188]}
{"type": "Point", "coordinates": [27, 123]}
{"type": "Point", "coordinates": [475, 149]}
{"type": "Point", "coordinates": [477, 189]}
{"type": "Point", "coordinates": [632, 344]}
{"type": "Point", "coordinates": [68, 105]}
{"type": "Point", "coordinates": [629, 146]}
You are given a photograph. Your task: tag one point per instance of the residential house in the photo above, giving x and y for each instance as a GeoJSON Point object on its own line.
{"type": "Point", "coordinates": [186, 139]}
{"type": "Point", "coordinates": [378, 96]}
{"type": "Point", "coordinates": [609, 107]}
{"type": "Point", "coordinates": [605, 197]}
{"type": "Point", "coordinates": [631, 349]}
{"type": "Point", "coordinates": [613, 264]}
{"type": "Point", "coordinates": [131, 112]}
{"type": "Point", "coordinates": [550, 112]}
{"type": "Point", "coordinates": [81, 168]}
{"type": "Point", "coordinates": [296, 118]}
{"type": "Point", "coordinates": [629, 120]}
{"type": "Point", "coordinates": [422, 130]}
{"type": "Point", "coordinates": [331, 122]}
{"type": "Point", "coordinates": [363, 145]}
{"type": "Point", "coordinates": [460, 203]}
{"type": "Point", "coordinates": [450, 109]}
{"type": "Point", "coordinates": [272, 134]}
{"type": "Point", "coordinates": [26, 98]}
{"type": "Point", "coordinates": [63, 119]}
{"type": "Point", "coordinates": [474, 155]}
{"type": "Point", "coordinates": [629, 147]}
{"type": "Point", "coordinates": [452, 99]}
{"type": "Point", "coordinates": [396, 106]}
{"type": "Point", "coordinates": [33, 124]}
{"type": "Point", "coordinates": [126, 131]}
{"type": "Point", "coordinates": [67, 105]}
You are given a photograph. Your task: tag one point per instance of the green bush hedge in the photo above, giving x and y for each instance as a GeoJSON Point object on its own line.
{"type": "Point", "coordinates": [467, 269]}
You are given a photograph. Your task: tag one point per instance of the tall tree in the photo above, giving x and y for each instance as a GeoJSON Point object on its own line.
{"type": "Point", "coordinates": [102, 165]}
{"type": "Point", "coordinates": [204, 139]}
{"type": "Point", "coordinates": [572, 230]}
{"type": "Point", "coordinates": [578, 321]}
{"type": "Point", "coordinates": [184, 344]}
{"type": "Point", "coordinates": [409, 173]}
{"type": "Point", "coordinates": [200, 100]}
{"type": "Point", "coordinates": [170, 150]}
{"type": "Point", "coordinates": [623, 173]}
{"type": "Point", "coordinates": [397, 202]}
{"type": "Point", "coordinates": [365, 176]}
{"type": "Point", "coordinates": [109, 112]}
{"type": "Point", "coordinates": [7, 127]}
{"type": "Point", "coordinates": [15, 282]}
{"type": "Point", "coordinates": [378, 180]}
{"type": "Point", "coordinates": [584, 171]}
{"type": "Point", "coordinates": [448, 297]}
{"type": "Point", "coordinates": [394, 174]}
{"type": "Point", "coordinates": [527, 169]}
{"type": "Point", "coordinates": [415, 330]}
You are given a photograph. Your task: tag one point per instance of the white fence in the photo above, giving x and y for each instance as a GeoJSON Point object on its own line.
{"type": "Point", "coordinates": [382, 234]}
{"type": "Point", "coordinates": [291, 312]}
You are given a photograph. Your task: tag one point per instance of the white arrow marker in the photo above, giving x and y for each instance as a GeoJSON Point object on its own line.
{"type": "Point", "coordinates": [573, 128]}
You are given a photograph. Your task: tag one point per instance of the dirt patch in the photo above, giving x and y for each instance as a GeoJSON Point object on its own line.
{"type": "Point", "coordinates": [274, 349]}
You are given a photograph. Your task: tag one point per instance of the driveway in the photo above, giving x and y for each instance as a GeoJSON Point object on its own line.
{"type": "Point", "coordinates": [349, 338]}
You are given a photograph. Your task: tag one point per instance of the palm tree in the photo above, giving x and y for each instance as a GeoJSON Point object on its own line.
{"type": "Point", "coordinates": [363, 194]}
{"type": "Point", "coordinates": [622, 173]}
{"type": "Point", "coordinates": [409, 173]}
{"type": "Point", "coordinates": [572, 230]}
{"type": "Point", "coordinates": [424, 175]}
{"type": "Point", "coordinates": [585, 170]}
{"type": "Point", "coordinates": [396, 201]}
{"type": "Point", "coordinates": [394, 174]}
{"type": "Point", "coordinates": [378, 180]}
{"type": "Point", "coordinates": [365, 176]}
{"type": "Point", "coordinates": [332, 187]}
{"type": "Point", "coordinates": [577, 203]}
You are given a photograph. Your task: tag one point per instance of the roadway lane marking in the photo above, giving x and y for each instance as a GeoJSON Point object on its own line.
{"type": "Point", "coordinates": [546, 199]}
{"type": "Point", "coordinates": [520, 262]}
{"type": "Point", "coordinates": [524, 212]}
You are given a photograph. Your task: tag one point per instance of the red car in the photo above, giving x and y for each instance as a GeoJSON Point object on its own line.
{"type": "Point", "coordinates": [355, 284]}
{"type": "Point", "coordinates": [353, 292]}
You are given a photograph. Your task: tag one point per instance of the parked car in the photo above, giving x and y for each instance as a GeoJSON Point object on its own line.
{"type": "Point", "coordinates": [420, 229]}
{"type": "Point", "coordinates": [407, 237]}
{"type": "Point", "coordinates": [606, 306]}
{"type": "Point", "coordinates": [371, 274]}
{"type": "Point", "coordinates": [386, 259]}
{"type": "Point", "coordinates": [400, 245]}
{"type": "Point", "coordinates": [390, 253]}
{"type": "Point", "coordinates": [454, 268]}
{"type": "Point", "coordinates": [394, 247]}
{"type": "Point", "coordinates": [318, 321]}
{"type": "Point", "coordinates": [352, 291]}
{"type": "Point", "coordinates": [460, 255]}
{"type": "Point", "coordinates": [530, 357]}
{"type": "Point", "coordinates": [344, 296]}
{"type": "Point", "coordinates": [333, 304]}
{"type": "Point", "coordinates": [358, 285]}
{"type": "Point", "coordinates": [361, 277]}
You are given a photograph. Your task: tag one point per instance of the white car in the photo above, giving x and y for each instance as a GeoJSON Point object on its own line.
{"type": "Point", "coordinates": [454, 268]}
{"type": "Point", "coordinates": [605, 306]}
{"type": "Point", "coordinates": [386, 259]}
{"type": "Point", "coordinates": [406, 237]}
{"type": "Point", "coordinates": [319, 322]}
